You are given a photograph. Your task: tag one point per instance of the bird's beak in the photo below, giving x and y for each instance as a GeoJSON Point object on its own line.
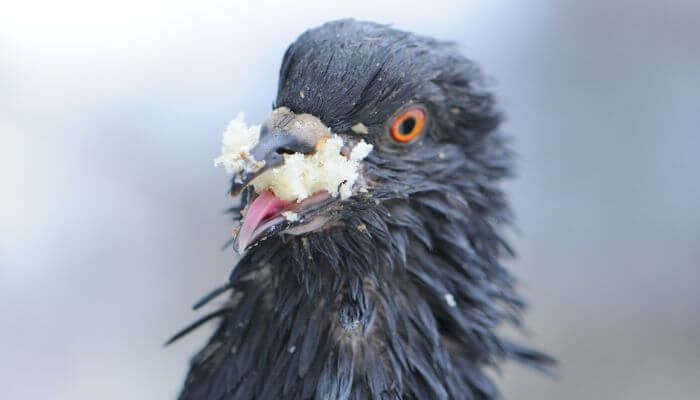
{"type": "Point", "coordinates": [283, 132]}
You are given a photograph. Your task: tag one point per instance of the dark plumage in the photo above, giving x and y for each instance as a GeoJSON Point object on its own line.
{"type": "Point", "coordinates": [397, 295]}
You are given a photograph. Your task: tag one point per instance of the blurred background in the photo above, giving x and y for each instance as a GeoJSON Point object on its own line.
{"type": "Point", "coordinates": [111, 220]}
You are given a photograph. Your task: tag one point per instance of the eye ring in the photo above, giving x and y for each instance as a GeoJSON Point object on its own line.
{"type": "Point", "coordinates": [408, 125]}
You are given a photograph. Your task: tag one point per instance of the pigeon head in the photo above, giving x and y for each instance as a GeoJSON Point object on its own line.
{"type": "Point", "coordinates": [436, 153]}
{"type": "Point", "coordinates": [395, 288]}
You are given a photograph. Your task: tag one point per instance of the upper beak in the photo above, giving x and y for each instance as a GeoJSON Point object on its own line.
{"type": "Point", "coordinates": [283, 132]}
{"type": "Point", "coordinates": [273, 143]}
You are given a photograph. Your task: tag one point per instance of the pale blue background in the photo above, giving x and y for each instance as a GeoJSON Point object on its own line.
{"type": "Point", "coordinates": [110, 207]}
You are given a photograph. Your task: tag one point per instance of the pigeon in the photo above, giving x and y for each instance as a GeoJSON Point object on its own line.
{"type": "Point", "coordinates": [397, 289]}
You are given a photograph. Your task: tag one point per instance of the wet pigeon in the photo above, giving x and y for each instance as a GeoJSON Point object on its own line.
{"type": "Point", "coordinates": [393, 292]}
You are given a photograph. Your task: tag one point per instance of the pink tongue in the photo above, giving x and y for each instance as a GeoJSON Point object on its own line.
{"type": "Point", "coordinates": [265, 205]}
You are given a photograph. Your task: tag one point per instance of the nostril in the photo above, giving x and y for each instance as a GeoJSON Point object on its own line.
{"type": "Point", "coordinates": [284, 150]}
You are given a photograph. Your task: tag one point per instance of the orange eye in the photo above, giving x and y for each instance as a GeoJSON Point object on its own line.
{"type": "Point", "coordinates": [408, 125]}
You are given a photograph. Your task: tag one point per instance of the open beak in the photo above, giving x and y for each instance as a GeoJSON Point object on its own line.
{"type": "Point", "coordinates": [282, 133]}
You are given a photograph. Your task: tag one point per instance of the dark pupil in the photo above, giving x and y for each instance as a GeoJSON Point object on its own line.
{"type": "Point", "coordinates": [407, 126]}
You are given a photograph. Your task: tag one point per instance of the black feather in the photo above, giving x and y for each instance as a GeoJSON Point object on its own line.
{"type": "Point", "coordinates": [211, 296]}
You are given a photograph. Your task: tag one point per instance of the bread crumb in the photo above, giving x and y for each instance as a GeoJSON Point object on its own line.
{"type": "Point", "coordinates": [290, 216]}
{"type": "Point", "coordinates": [362, 227]}
{"type": "Point", "coordinates": [450, 299]}
{"type": "Point", "coordinates": [238, 139]}
{"type": "Point", "coordinates": [301, 175]}
{"type": "Point", "coordinates": [360, 128]}
{"type": "Point", "coordinates": [360, 151]}
{"type": "Point", "coordinates": [301, 94]}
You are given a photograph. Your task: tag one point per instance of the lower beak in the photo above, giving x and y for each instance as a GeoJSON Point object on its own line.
{"type": "Point", "coordinates": [264, 205]}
